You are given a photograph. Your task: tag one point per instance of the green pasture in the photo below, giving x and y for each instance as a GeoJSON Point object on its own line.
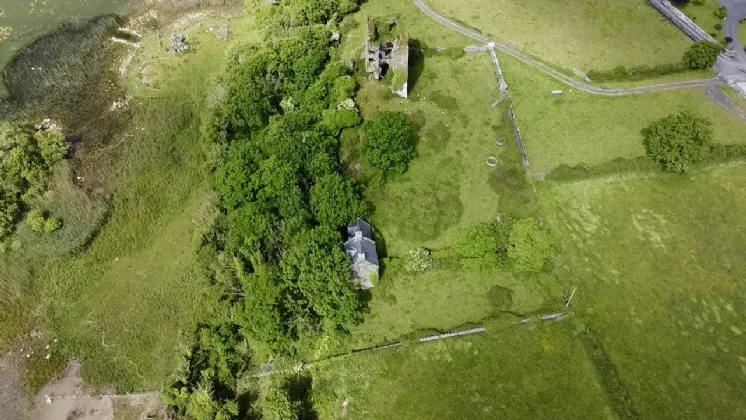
{"type": "Point", "coordinates": [579, 127]}
{"type": "Point", "coordinates": [517, 372]}
{"type": "Point", "coordinates": [447, 188]}
{"type": "Point", "coordinates": [658, 265]}
{"type": "Point", "coordinates": [582, 34]}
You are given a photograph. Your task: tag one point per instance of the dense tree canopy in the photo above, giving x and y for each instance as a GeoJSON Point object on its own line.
{"type": "Point", "coordinates": [701, 55]}
{"type": "Point", "coordinates": [334, 200]}
{"type": "Point", "coordinates": [276, 254]}
{"type": "Point", "coordinates": [387, 145]}
{"type": "Point", "coordinates": [530, 246]}
{"type": "Point", "coordinates": [317, 272]}
{"type": "Point", "coordinates": [677, 141]}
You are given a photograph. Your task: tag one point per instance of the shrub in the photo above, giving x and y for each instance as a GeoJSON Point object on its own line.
{"type": "Point", "coordinates": [718, 26]}
{"type": "Point", "coordinates": [582, 171]}
{"type": "Point", "coordinates": [40, 223]}
{"type": "Point", "coordinates": [728, 39]}
{"type": "Point", "coordinates": [26, 156]}
{"type": "Point", "coordinates": [418, 260]}
{"type": "Point", "coordinates": [677, 141]}
{"type": "Point", "coordinates": [337, 120]}
{"type": "Point", "coordinates": [36, 220]}
{"type": "Point", "coordinates": [721, 13]}
{"type": "Point", "coordinates": [52, 224]}
{"type": "Point", "coordinates": [485, 245]}
{"type": "Point", "coordinates": [388, 145]}
{"type": "Point", "coordinates": [636, 73]}
{"type": "Point", "coordinates": [701, 55]}
{"type": "Point", "coordinates": [530, 246]}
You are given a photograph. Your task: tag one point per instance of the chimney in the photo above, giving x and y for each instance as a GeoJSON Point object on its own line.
{"type": "Point", "coordinates": [358, 235]}
{"type": "Point", "coordinates": [361, 256]}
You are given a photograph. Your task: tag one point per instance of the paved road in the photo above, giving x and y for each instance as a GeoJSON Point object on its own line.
{"type": "Point", "coordinates": [736, 12]}
{"type": "Point", "coordinates": [554, 73]}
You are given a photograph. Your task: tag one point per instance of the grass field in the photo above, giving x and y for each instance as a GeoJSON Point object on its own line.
{"type": "Point", "coordinates": [582, 34]}
{"type": "Point", "coordinates": [447, 189]}
{"type": "Point", "coordinates": [125, 305]}
{"type": "Point", "coordinates": [704, 16]}
{"type": "Point", "coordinates": [658, 265]}
{"type": "Point", "coordinates": [583, 128]}
{"type": "Point", "coordinates": [517, 373]}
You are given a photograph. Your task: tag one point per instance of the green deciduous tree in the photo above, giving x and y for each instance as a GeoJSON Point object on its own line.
{"type": "Point", "coordinates": [485, 245]}
{"type": "Point", "coordinates": [530, 246]}
{"type": "Point", "coordinates": [701, 55]}
{"type": "Point", "coordinates": [335, 120]}
{"type": "Point", "coordinates": [335, 201]}
{"type": "Point", "coordinates": [677, 141]}
{"type": "Point", "coordinates": [387, 145]}
{"type": "Point", "coordinates": [278, 406]}
{"type": "Point", "coordinates": [317, 272]}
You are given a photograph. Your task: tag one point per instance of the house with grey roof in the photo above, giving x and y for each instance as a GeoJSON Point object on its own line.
{"type": "Point", "coordinates": [361, 248]}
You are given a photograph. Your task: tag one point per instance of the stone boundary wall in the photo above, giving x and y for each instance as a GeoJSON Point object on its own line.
{"type": "Point", "coordinates": [476, 49]}
{"type": "Point", "coordinates": [518, 139]}
{"type": "Point", "coordinates": [678, 18]}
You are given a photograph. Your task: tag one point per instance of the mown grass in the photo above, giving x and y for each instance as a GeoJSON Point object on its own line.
{"type": "Point", "coordinates": [126, 304]}
{"type": "Point", "coordinates": [587, 35]}
{"type": "Point", "coordinates": [579, 127]}
{"type": "Point", "coordinates": [657, 261]}
{"type": "Point", "coordinates": [704, 16]}
{"type": "Point", "coordinates": [520, 372]}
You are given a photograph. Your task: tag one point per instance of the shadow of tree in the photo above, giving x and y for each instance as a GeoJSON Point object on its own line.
{"type": "Point", "coordinates": [299, 389]}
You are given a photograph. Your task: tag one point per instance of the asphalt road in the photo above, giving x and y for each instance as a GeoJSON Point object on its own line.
{"type": "Point", "coordinates": [736, 12]}
{"type": "Point", "coordinates": [560, 76]}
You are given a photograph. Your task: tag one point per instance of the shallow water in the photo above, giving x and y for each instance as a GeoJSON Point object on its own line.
{"type": "Point", "coordinates": [22, 21]}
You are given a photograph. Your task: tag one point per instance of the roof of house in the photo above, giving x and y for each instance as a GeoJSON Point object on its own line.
{"type": "Point", "coordinates": [361, 226]}
{"type": "Point", "coordinates": [361, 244]}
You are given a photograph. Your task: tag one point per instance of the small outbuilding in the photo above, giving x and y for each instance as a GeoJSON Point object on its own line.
{"type": "Point", "coordinates": [361, 248]}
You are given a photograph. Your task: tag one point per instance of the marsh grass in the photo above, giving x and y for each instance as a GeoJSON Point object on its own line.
{"type": "Point", "coordinates": [127, 303]}
{"type": "Point", "coordinates": [81, 217]}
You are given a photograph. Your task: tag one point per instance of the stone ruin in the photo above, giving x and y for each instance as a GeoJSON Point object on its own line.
{"type": "Point", "coordinates": [179, 44]}
{"type": "Point", "coordinates": [388, 58]}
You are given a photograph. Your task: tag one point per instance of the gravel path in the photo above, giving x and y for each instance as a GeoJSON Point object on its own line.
{"type": "Point", "coordinates": [554, 73]}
